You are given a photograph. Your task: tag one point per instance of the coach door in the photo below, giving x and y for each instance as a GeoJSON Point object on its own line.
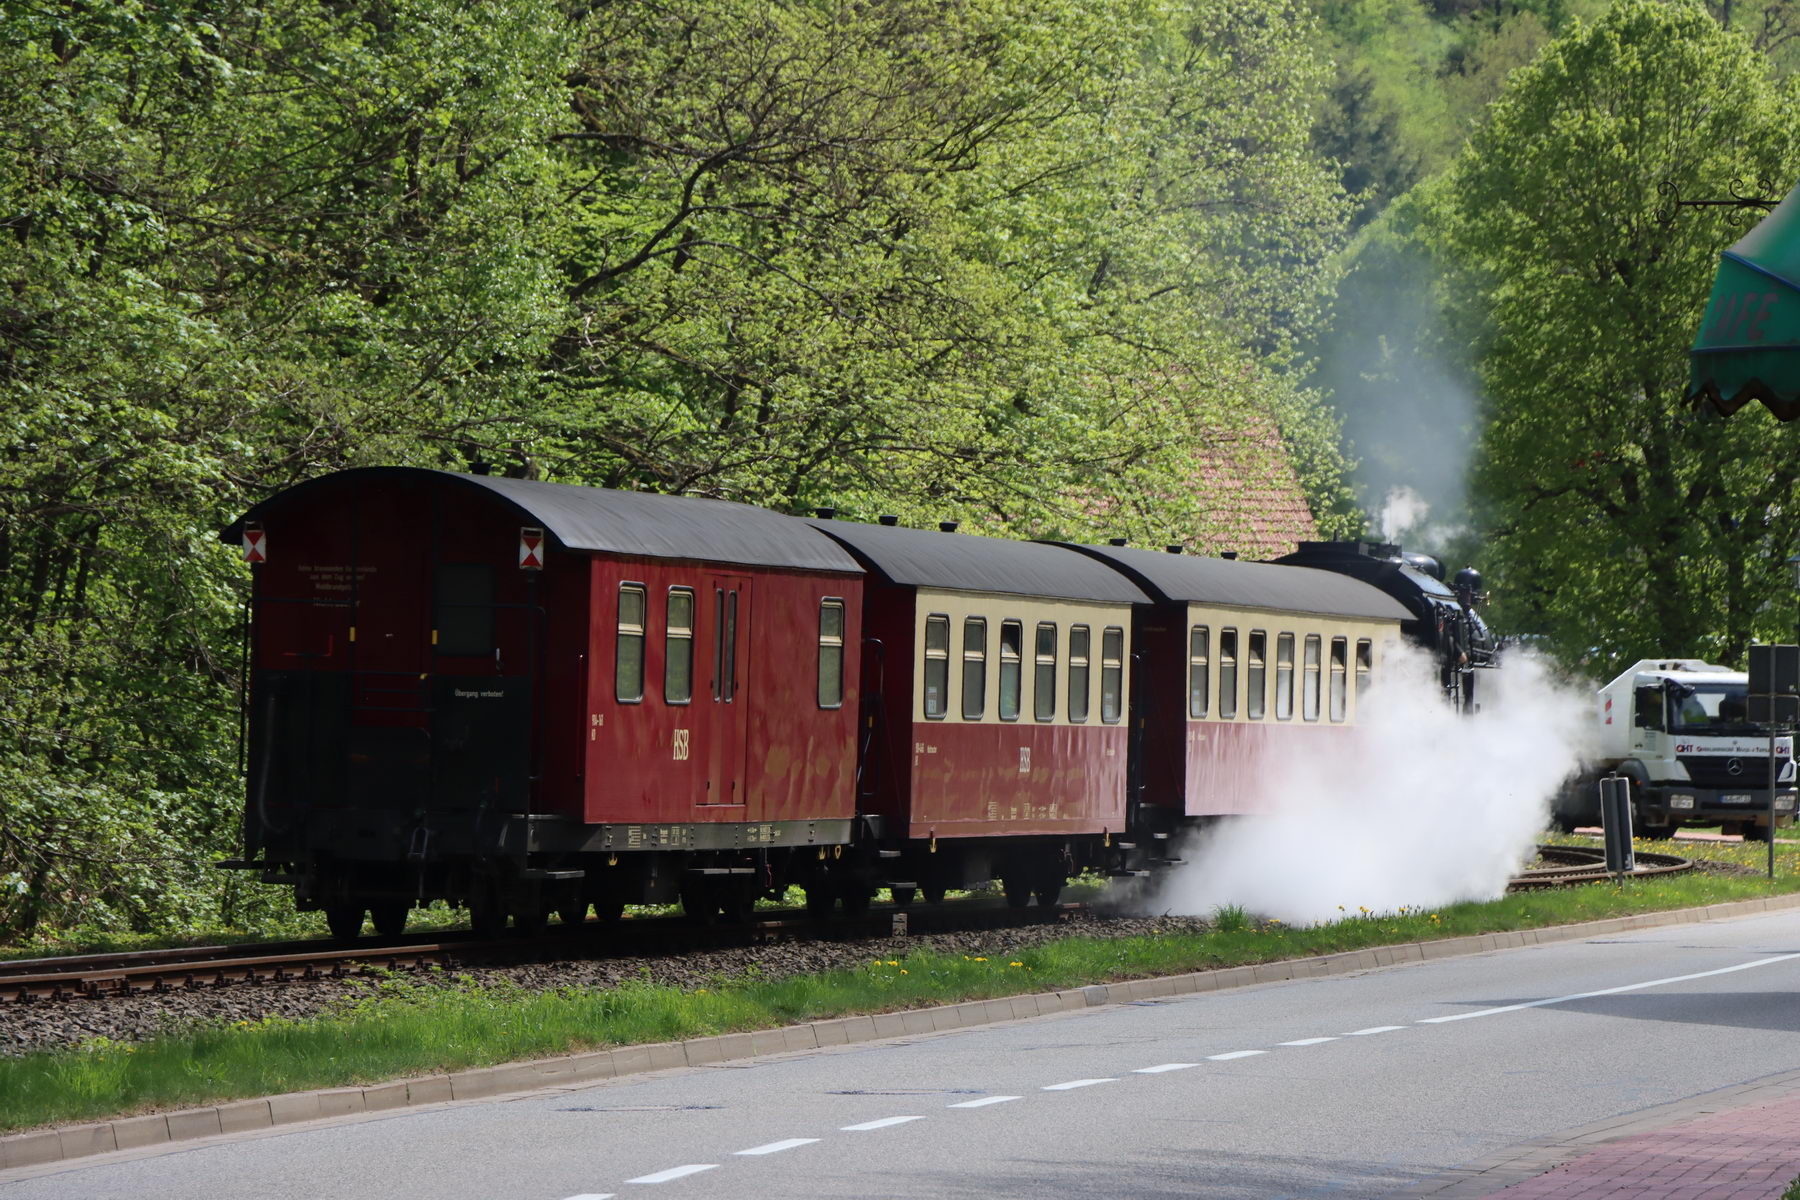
{"type": "Point", "coordinates": [730, 693]}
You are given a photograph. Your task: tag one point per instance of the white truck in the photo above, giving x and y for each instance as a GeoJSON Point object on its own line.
{"type": "Point", "coordinates": [1678, 728]}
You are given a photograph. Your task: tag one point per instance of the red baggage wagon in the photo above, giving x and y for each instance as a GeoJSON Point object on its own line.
{"type": "Point", "coordinates": [530, 697]}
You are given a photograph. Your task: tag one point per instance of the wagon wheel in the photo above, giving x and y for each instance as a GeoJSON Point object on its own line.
{"type": "Point", "coordinates": [1018, 890]}
{"type": "Point", "coordinates": [1048, 890]}
{"type": "Point", "coordinates": [856, 895]}
{"type": "Point", "coordinates": [903, 896]}
{"type": "Point", "coordinates": [344, 920]}
{"type": "Point", "coordinates": [700, 902]}
{"type": "Point", "coordinates": [486, 918]}
{"type": "Point", "coordinates": [573, 916]}
{"type": "Point", "coordinates": [390, 917]}
{"type": "Point", "coordinates": [819, 899]}
{"type": "Point", "coordinates": [531, 922]}
{"type": "Point", "coordinates": [933, 893]}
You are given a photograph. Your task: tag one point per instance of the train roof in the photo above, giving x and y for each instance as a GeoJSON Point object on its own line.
{"type": "Point", "coordinates": [1189, 579]}
{"type": "Point", "coordinates": [648, 524]}
{"type": "Point", "coordinates": [969, 563]}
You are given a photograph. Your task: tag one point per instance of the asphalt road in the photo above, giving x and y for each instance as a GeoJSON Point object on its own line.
{"type": "Point", "coordinates": [1353, 1086]}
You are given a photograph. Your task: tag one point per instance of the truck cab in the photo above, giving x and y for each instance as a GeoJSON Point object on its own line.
{"type": "Point", "coordinates": [1679, 730]}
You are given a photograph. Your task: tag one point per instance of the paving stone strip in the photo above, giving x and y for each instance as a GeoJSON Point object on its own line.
{"type": "Point", "coordinates": [45, 1146]}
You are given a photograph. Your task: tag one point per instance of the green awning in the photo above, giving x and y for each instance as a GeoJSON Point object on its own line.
{"type": "Point", "coordinates": [1749, 343]}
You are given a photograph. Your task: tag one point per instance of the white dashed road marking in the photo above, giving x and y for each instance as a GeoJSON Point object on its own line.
{"type": "Point", "coordinates": [1629, 987]}
{"type": "Point", "coordinates": [777, 1147]}
{"type": "Point", "coordinates": [1233, 1054]}
{"type": "Point", "coordinates": [675, 1173]}
{"type": "Point", "coordinates": [1158, 1070]}
{"type": "Point", "coordinates": [1073, 1084]}
{"type": "Point", "coordinates": [983, 1102]}
{"type": "Point", "coordinates": [881, 1124]}
{"type": "Point", "coordinates": [591, 1196]}
{"type": "Point", "coordinates": [1310, 1041]}
{"type": "Point", "coordinates": [1373, 1029]}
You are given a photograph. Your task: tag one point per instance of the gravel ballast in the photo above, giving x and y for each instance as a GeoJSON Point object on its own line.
{"type": "Point", "coordinates": [48, 1024]}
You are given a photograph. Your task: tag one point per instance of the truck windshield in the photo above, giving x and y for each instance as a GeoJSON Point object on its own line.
{"type": "Point", "coordinates": [1714, 708]}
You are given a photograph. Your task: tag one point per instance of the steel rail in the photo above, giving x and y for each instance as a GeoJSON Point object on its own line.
{"type": "Point", "coordinates": [192, 968]}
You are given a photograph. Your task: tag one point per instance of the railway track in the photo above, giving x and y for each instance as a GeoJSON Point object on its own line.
{"type": "Point", "coordinates": [1575, 865]}
{"type": "Point", "coordinates": [194, 968]}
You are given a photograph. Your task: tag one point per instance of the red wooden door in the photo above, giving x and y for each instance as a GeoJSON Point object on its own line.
{"type": "Point", "coordinates": [729, 695]}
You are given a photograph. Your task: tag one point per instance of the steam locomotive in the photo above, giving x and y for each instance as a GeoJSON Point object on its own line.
{"type": "Point", "coordinates": [536, 699]}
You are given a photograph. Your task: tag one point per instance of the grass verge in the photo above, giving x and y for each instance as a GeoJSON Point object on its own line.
{"type": "Point", "coordinates": [406, 1028]}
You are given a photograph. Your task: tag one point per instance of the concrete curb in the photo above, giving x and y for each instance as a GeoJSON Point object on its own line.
{"type": "Point", "coordinates": [45, 1146]}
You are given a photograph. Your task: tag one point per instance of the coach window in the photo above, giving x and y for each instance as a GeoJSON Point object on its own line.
{"type": "Point", "coordinates": [831, 654]}
{"type": "Point", "coordinates": [1228, 673]}
{"type": "Point", "coordinates": [1079, 641]}
{"type": "Point", "coordinates": [937, 665]}
{"type": "Point", "coordinates": [1256, 676]}
{"type": "Point", "coordinates": [974, 668]}
{"type": "Point", "coordinates": [1012, 653]}
{"type": "Point", "coordinates": [1340, 651]}
{"type": "Point", "coordinates": [678, 648]}
{"type": "Point", "coordinates": [1112, 674]}
{"type": "Point", "coordinates": [1309, 702]}
{"type": "Point", "coordinates": [1364, 665]}
{"type": "Point", "coordinates": [1043, 680]}
{"type": "Point", "coordinates": [464, 620]}
{"type": "Point", "coordinates": [1199, 648]}
{"type": "Point", "coordinates": [628, 672]}
{"type": "Point", "coordinates": [1284, 677]}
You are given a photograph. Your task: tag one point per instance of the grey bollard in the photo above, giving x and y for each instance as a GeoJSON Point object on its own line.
{"type": "Point", "coordinates": [1615, 820]}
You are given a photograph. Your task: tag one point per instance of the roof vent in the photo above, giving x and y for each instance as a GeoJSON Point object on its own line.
{"type": "Point", "coordinates": [1173, 547]}
{"type": "Point", "coordinates": [1115, 541]}
{"type": "Point", "coordinates": [888, 519]}
{"type": "Point", "coordinates": [825, 514]}
{"type": "Point", "coordinates": [948, 526]}
{"type": "Point", "coordinates": [1229, 554]}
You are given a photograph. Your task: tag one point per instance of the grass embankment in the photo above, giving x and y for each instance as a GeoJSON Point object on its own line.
{"type": "Point", "coordinates": [407, 1028]}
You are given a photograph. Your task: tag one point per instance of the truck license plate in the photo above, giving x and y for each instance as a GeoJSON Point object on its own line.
{"type": "Point", "coordinates": [1735, 798]}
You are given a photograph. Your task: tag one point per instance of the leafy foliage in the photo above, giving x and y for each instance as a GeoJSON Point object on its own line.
{"type": "Point", "coordinates": [1012, 260]}
{"type": "Point", "coordinates": [1626, 522]}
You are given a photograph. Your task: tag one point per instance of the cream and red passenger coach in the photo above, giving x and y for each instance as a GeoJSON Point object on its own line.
{"type": "Point", "coordinates": [1242, 664]}
{"type": "Point", "coordinates": [998, 675]}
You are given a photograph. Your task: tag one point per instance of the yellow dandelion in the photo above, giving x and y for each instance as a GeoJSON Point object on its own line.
{"type": "Point", "coordinates": [1015, 964]}
{"type": "Point", "coordinates": [978, 958]}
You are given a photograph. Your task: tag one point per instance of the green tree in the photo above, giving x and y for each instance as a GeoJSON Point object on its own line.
{"type": "Point", "coordinates": [1626, 522]}
{"type": "Point", "coordinates": [997, 259]}
{"type": "Point", "coordinates": [242, 243]}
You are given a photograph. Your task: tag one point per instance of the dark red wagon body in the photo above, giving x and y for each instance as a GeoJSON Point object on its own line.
{"type": "Point", "coordinates": [530, 697]}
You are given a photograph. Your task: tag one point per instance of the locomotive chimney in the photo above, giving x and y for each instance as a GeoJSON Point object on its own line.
{"type": "Point", "coordinates": [888, 519]}
{"type": "Point", "coordinates": [1115, 541]}
{"type": "Point", "coordinates": [1229, 554]}
{"type": "Point", "coordinates": [948, 526]}
{"type": "Point", "coordinates": [825, 514]}
{"type": "Point", "coordinates": [1173, 547]}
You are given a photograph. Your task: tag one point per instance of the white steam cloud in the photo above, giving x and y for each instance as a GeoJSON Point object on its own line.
{"type": "Point", "coordinates": [1420, 807]}
{"type": "Point", "coordinates": [1405, 516]}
